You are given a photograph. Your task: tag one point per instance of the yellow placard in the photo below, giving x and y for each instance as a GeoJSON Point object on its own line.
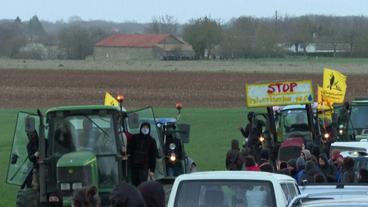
{"type": "Point", "coordinates": [110, 100]}
{"type": "Point", "coordinates": [334, 86]}
{"type": "Point", "coordinates": [279, 93]}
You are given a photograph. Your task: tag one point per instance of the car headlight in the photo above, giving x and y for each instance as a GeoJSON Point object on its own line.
{"type": "Point", "coordinates": [77, 186]}
{"type": "Point", "coordinates": [261, 139]}
{"type": "Point", "coordinates": [326, 135]}
{"type": "Point", "coordinates": [64, 186]}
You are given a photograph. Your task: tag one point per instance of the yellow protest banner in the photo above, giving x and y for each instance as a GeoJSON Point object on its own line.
{"type": "Point", "coordinates": [279, 93]}
{"type": "Point", "coordinates": [334, 86]}
{"type": "Point", "coordinates": [110, 100]}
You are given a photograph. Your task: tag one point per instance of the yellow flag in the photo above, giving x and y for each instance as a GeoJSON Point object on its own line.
{"type": "Point", "coordinates": [324, 107]}
{"type": "Point", "coordinates": [334, 86]}
{"type": "Point", "coordinates": [110, 100]}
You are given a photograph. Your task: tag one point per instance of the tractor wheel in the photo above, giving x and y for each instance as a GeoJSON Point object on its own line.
{"type": "Point", "coordinates": [28, 197]}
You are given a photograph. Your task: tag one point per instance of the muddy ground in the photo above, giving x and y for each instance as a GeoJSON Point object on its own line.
{"type": "Point", "coordinates": [46, 88]}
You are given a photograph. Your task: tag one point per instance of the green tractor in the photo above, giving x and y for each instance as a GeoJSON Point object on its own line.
{"type": "Point", "coordinates": [350, 121]}
{"type": "Point", "coordinates": [78, 146]}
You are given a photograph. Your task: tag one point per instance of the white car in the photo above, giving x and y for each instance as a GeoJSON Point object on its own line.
{"type": "Point", "coordinates": [361, 146]}
{"type": "Point", "coordinates": [232, 189]}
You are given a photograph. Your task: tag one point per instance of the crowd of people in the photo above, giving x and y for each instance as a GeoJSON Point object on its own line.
{"type": "Point", "coordinates": [309, 167]}
{"type": "Point", "coordinates": [147, 194]}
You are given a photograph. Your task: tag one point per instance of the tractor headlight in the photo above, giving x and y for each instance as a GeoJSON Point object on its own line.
{"type": "Point", "coordinates": [64, 186]}
{"type": "Point", "coordinates": [77, 186]}
{"type": "Point", "coordinates": [261, 139]}
{"type": "Point", "coordinates": [172, 146]}
{"type": "Point", "coordinates": [172, 157]}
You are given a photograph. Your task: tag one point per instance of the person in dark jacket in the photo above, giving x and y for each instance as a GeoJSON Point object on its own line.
{"type": "Point", "coordinates": [348, 170]}
{"type": "Point", "coordinates": [86, 197]}
{"type": "Point", "coordinates": [33, 154]}
{"type": "Point", "coordinates": [125, 195]}
{"type": "Point", "coordinates": [252, 132]}
{"type": "Point", "coordinates": [233, 157]}
{"type": "Point", "coordinates": [143, 152]}
{"type": "Point", "coordinates": [310, 171]}
{"type": "Point", "coordinates": [264, 157]}
{"type": "Point", "coordinates": [153, 194]}
{"type": "Point", "coordinates": [55, 199]}
{"type": "Point", "coordinates": [291, 166]}
{"type": "Point", "coordinates": [363, 176]}
{"type": "Point", "coordinates": [328, 170]}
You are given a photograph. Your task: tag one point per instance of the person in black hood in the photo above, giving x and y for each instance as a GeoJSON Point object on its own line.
{"type": "Point", "coordinates": [328, 170]}
{"type": "Point", "coordinates": [125, 195]}
{"type": "Point", "coordinates": [153, 194]}
{"type": "Point", "coordinates": [143, 151]}
{"type": "Point", "coordinates": [310, 171]}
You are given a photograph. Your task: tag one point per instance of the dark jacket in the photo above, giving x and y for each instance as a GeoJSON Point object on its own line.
{"type": "Point", "coordinates": [124, 195]}
{"type": "Point", "coordinates": [328, 170]}
{"type": "Point", "coordinates": [143, 151]}
{"type": "Point", "coordinates": [348, 170]}
{"type": "Point", "coordinates": [153, 194]}
{"type": "Point", "coordinates": [310, 171]}
{"type": "Point", "coordinates": [233, 157]}
{"type": "Point", "coordinates": [32, 148]}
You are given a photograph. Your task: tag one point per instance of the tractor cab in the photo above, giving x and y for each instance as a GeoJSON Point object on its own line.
{"type": "Point", "coordinates": [297, 128]}
{"type": "Point", "coordinates": [292, 122]}
{"type": "Point", "coordinates": [79, 146]}
{"type": "Point", "coordinates": [350, 120]}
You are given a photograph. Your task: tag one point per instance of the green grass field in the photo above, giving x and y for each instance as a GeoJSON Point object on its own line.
{"type": "Point", "coordinates": [211, 132]}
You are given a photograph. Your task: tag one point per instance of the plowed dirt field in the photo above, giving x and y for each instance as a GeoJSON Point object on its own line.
{"type": "Point", "coordinates": [47, 88]}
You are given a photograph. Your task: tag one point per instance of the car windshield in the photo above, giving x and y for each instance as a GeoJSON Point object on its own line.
{"type": "Point", "coordinates": [84, 132]}
{"type": "Point", "coordinates": [227, 193]}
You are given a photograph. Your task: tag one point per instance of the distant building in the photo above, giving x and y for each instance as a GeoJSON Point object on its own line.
{"type": "Point", "coordinates": [142, 46]}
{"type": "Point", "coordinates": [321, 47]}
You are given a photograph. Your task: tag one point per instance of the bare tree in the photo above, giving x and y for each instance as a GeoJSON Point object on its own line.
{"type": "Point", "coordinates": [163, 24]}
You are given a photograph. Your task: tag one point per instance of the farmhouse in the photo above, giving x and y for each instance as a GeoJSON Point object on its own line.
{"type": "Point", "coordinates": [142, 46]}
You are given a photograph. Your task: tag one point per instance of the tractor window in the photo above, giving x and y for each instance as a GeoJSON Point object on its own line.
{"type": "Point", "coordinates": [292, 118]}
{"type": "Point", "coordinates": [85, 132]}
{"type": "Point", "coordinates": [359, 117]}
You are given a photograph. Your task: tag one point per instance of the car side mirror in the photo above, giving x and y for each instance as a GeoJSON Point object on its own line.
{"type": "Point", "coordinates": [14, 159]}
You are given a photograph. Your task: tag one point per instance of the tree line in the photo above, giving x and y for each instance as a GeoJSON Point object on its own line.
{"type": "Point", "coordinates": [242, 37]}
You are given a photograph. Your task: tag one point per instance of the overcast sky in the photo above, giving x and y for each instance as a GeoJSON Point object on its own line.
{"type": "Point", "coordinates": [144, 10]}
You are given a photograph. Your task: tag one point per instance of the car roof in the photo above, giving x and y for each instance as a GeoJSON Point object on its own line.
{"type": "Point", "coordinates": [236, 175]}
{"type": "Point", "coordinates": [358, 145]}
{"type": "Point", "coordinates": [361, 201]}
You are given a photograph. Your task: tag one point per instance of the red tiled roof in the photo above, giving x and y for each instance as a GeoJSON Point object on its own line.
{"type": "Point", "coordinates": [133, 40]}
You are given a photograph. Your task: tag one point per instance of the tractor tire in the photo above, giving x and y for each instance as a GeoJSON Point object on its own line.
{"type": "Point", "coordinates": [28, 198]}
